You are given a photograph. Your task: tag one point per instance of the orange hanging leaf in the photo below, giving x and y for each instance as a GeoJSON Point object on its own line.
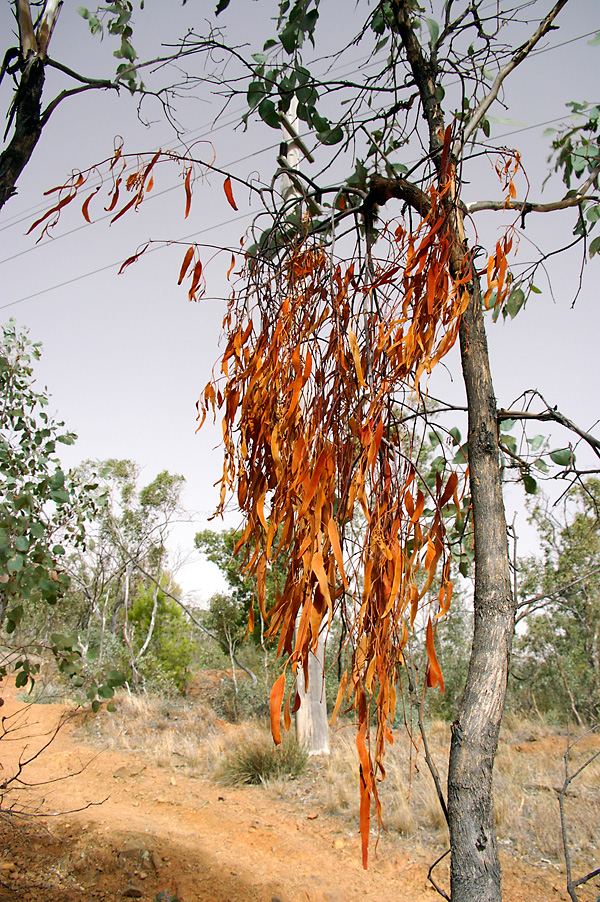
{"type": "Point", "coordinates": [188, 192]}
{"type": "Point", "coordinates": [356, 357]}
{"type": "Point", "coordinates": [450, 489]}
{"type": "Point", "coordinates": [197, 275]}
{"type": "Point", "coordinates": [231, 265]}
{"type": "Point", "coordinates": [185, 265]}
{"type": "Point", "coordinates": [434, 671]}
{"type": "Point", "coordinates": [229, 192]}
{"type": "Point", "coordinates": [86, 204]}
{"type": "Point", "coordinates": [134, 258]}
{"type": "Point", "coordinates": [275, 702]}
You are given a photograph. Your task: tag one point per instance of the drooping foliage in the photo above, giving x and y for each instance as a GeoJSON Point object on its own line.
{"type": "Point", "coordinates": [319, 357]}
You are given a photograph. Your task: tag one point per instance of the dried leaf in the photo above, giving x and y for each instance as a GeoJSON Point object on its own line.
{"type": "Point", "coordinates": [229, 192]}
{"type": "Point", "coordinates": [275, 708]}
{"type": "Point", "coordinates": [185, 265]}
{"type": "Point", "coordinates": [134, 258]}
{"type": "Point", "coordinates": [188, 192]}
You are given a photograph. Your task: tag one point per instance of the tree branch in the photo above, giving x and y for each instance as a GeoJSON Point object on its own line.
{"type": "Point", "coordinates": [524, 207]}
{"type": "Point", "coordinates": [517, 58]}
{"type": "Point", "coordinates": [551, 415]}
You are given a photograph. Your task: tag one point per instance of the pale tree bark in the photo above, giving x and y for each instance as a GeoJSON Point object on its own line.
{"type": "Point", "coordinates": [312, 725]}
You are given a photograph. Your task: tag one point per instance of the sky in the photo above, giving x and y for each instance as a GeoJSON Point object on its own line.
{"type": "Point", "coordinates": [126, 357]}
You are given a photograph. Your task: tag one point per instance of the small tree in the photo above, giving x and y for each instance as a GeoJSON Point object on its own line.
{"type": "Point", "coordinates": [44, 509]}
{"type": "Point", "coordinates": [557, 658]}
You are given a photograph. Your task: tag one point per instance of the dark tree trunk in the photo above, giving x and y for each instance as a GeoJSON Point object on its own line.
{"type": "Point", "coordinates": [475, 867]}
{"type": "Point", "coordinates": [28, 127]}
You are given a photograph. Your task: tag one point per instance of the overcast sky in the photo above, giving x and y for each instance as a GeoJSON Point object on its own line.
{"type": "Point", "coordinates": [125, 357]}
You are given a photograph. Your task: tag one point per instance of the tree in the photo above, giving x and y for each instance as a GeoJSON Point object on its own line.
{"type": "Point", "coordinates": [44, 510]}
{"type": "Point", "coordinates": [335, 321]}
{"type": "Point", "coordinates": [122, 577]}
{"type": "Point", "coordinates": [557, 658]}
{"type": "Point", "coordinates": [228, 614]}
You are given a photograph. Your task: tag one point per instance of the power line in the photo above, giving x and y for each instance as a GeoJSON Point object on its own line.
{"type": "Point", "coordinates": [94, 272]}
{"type": "Point", "coordinates": [197, 137]}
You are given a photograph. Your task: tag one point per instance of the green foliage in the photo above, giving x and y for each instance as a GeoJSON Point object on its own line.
{"type": "Point", "coordinates": [43, 509]}
{"type": "Point", "coordinates": [172, 648]}
{"type": "Point", "coordinates": [255, 759]}
{"type": "Point", "coordinates": [241, 703]}
{"type": "Point", "coordinates": [576, 154]}
{"type": "Point", "coordinates": [115, 18]}
{"type": "Point", "coordinates": [556, 667]}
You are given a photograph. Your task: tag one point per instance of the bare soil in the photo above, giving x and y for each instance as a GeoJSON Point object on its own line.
{"type": "Point", "coordinates": [145, 832]}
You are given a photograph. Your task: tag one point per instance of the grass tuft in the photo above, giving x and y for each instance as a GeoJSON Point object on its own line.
{"type": "Point", "coordinates": [255, 759]}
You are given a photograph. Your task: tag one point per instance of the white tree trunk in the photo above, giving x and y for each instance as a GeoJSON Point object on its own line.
{"type": "Point", "coordinates": [312, 725]}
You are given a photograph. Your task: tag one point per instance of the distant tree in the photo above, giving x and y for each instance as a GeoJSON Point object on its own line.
{"type": "Point", "coordinates": [45, 511]}
{"type": "Point", "coordinates": [556, 667]}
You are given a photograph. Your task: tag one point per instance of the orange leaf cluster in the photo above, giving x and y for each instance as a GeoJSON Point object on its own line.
{"type": "Point", "coordinates": [316, 354]}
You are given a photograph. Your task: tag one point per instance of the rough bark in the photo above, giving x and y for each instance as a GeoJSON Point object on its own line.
{"type": "Point", "coordinates": [28, 127]}
{"type": "Point", "coordinates": [475, 867]}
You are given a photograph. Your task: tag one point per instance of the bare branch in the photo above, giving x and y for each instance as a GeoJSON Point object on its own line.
{"type": "Point", "coordinates": [518, 57]}
{"type": "Point", "coordinates": [524, 207]}
{"type": "Point", "coordinates": [552, 415]}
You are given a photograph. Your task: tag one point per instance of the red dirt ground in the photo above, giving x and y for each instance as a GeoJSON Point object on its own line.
{"type": "Point", "coordinates": [149, 833]}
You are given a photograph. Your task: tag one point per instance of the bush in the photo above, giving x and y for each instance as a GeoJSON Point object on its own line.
{"type": "Point", "coordinates": [256, 759]}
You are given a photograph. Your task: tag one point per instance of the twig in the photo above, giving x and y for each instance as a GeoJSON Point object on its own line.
{"type": "Point", "coordinates": [518, 57]}
{"type": "Point", "coordinates": [432, 881]}
{"type": "Point", "coordinates": [572, 884]}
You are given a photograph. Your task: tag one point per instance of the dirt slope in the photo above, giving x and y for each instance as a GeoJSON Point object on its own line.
{"type": "Point", "coordinates": [149, 834]}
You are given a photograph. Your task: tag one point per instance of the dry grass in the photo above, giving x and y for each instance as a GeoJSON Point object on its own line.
{"type": "Point", "coordinates": [529, 771]}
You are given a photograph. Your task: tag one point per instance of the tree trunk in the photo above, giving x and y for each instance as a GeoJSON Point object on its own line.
{"type": "Point", "coordinates": [312, 725]}
{"type": "Point", "coordinates": [475, 867]}
{"type": "Point", "coordinates": [28, 127]}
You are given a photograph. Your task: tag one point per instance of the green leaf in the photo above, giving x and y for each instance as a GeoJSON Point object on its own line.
{"type": "Point", "coordinates": [256, 92]}
{"type": "Point", "coordinates": [595, 40]}
{"type": "Point", "coordinates": [507, 425]}
{"type": "Point", "coordinates": [461, 455]}
{"type": "Point", "coordinates": [434, 30]}
{"type": "Point", "coordinates": [21, 680]}
{"type": "Point", "coordinates": [83, 12]}
{"type": "Point", "coordinates": [105, 691]}
{"type": "Point", "coordinates": [332, 135]}
{"type": "Point", "coordinates": [595, 246]}
{"type": "Point", "coordinates": [111, 707]}
{"type": "Point", "coordinates": [535, 290]}
{"type": "Point", "coordinates": [268, 113]}
{"type": "Point", "coordinates": [400, 167]}
{"type": "Point", "coordinates": [515, 301]}
{"type": "Point", "coordinates": [15, 564]}
{"type": "Point", "coordinates": [260, 58]}
{"type": "Point", "coordinates": [536, 442]}
{"type": "Point", "coordinates": [95, 706]}
{"type": "Point", "coordinates": [530, 484]}
{"type": "Point", "coordinates": [562, 456]}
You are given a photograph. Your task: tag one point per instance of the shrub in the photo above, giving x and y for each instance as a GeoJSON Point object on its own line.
{"type": "Point", "coordinates": [256, 759]}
